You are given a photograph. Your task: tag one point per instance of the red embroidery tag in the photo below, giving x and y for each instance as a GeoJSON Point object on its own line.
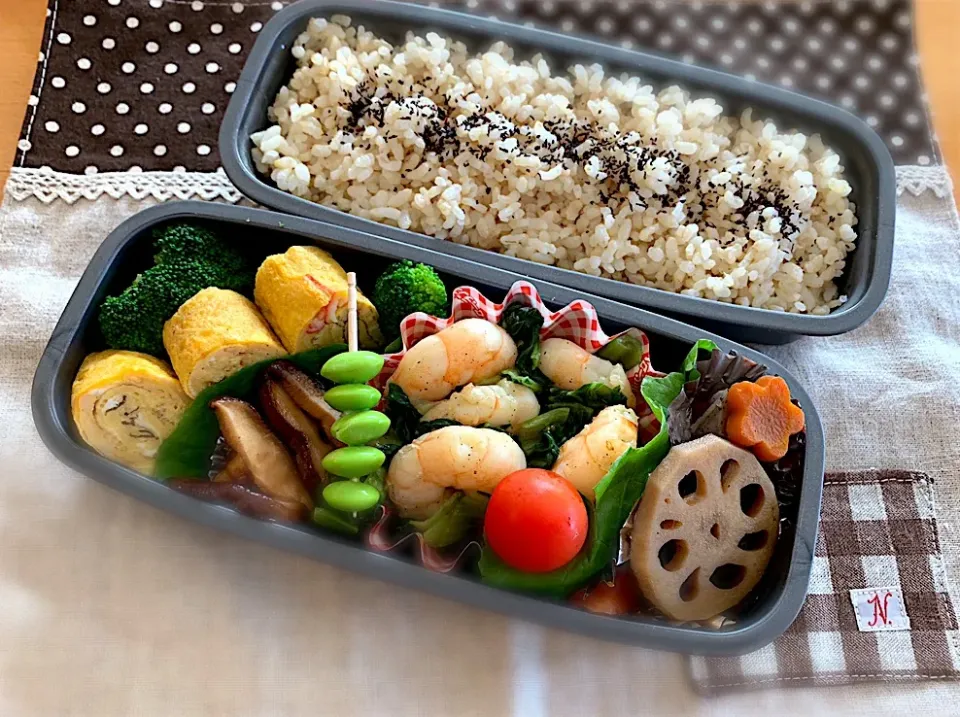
{"type": "Point", "coordinates": [879, 609]}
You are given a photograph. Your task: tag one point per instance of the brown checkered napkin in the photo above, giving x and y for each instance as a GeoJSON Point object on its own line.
{"type": "Point", "coordinates": [877, 530]}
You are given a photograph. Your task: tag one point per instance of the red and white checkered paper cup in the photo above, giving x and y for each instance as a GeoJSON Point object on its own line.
{"type": "Point", "coordinates": [577, 322]}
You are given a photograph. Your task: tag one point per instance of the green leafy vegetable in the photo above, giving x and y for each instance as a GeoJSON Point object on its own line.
{"type": "Point", "coordinates": [489, 380]}
{"type": "Point", "coordinates": [530, 430]}
{"type": "Point", "coordinates": [523, 323]}
{"type": "Point", "coordinates": [616, 495]}
{"type": "Point", "coordinates": [186, 452]}
{"type": "Point", "coordinates": [457, 518]}
{"type": "Point", "coordinates": [669, 386]}
{"type": "Point", "coordinates": [707, 393]}
{"type": "Point", "coordinates": [594, 396]}
{"type": "Point", "coordinates": [394, 346]}
{"type": "Point", "coordinates": [435, 425]}
{"type": "Point", "coordinates": [541, 437]}
{"type": "Point", "coordinates": [564, 414]}
{"type": "Point", "coordinates": [378, 479]}
{"type": "Point", "coordinates": [659, 393]}
{"type": "Point", "coordinates": [350, 524]}
{"type": "Point", "coordinates": [535, 385]}
{"type": "Point", "coordinates": [625, 350]}
{"type": "Point", "coordinates": [389, 444]}
{"type": "Point", "coordinates": [405, 423]}
{"type": "Point", "coordinates": [404, 417]}
{"type": "Point", "coordinates": [690, 362]}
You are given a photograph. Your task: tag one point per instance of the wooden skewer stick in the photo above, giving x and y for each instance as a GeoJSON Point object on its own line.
{"type": "Point", "coordinates": [351, 311]}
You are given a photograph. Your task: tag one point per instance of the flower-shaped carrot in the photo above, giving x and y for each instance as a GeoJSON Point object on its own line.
{"type": "Point", "coordinates": [761, 417]}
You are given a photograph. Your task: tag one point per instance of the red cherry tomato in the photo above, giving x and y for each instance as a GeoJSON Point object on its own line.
{"type": "Point", "coordinates": [620, 598]}
{"type": "Point", "coordinates": [535, 520]}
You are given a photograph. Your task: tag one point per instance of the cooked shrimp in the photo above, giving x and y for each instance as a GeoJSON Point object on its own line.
{"type": "Point", "coordinates": [466, 352]}
{"type": "Point", "coordinates": [502, 404]}
{"type": "Point", "coordinates": [570, 367]}
{"type": "Point", "coordinates": [424, 472]}
{"type": "Point", "coordinates": [587, 457]}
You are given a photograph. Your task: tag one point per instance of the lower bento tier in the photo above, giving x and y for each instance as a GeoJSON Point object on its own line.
{"type": "Point", "coordinates": [498, 437]}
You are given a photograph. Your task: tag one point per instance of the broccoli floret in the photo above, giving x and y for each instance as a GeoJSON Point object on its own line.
{"type": "Point", "coordinates": [205, 255]}
{"type": "Point", "coordinates": [188, 259]}
{"type": "Point", "coordinates": [404, 288]}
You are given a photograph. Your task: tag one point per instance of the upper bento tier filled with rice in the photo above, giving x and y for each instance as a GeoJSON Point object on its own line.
{"type": "Point", "coordinates": [581, 170]}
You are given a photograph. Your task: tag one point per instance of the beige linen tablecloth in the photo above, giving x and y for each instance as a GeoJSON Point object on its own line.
{"type": "Point", "coordinates": [109, 607]}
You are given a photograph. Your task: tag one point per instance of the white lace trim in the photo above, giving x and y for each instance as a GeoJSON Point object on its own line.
{"type": "Point", "coordinates": [917, 179]}
{"type": "Point", "coordinates": [48, 186]}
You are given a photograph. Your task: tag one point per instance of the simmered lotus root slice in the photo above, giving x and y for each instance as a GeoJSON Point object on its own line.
{"type": "Point", "coordinates": [704, 530]}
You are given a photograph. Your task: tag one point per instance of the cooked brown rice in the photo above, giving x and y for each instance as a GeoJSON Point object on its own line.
{"type": "Point", "coordinates": [581, 170]}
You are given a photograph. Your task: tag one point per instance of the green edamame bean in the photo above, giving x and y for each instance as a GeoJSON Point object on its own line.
{"type": "Point", "coordinates": [350, 496]}
{"type": "Point", "coordinates": [352, 397]}
{"type": "Point", "coordinates": [353, 462]}
{"type": "Point", "coordinates": [355, 429]}
{"type": "Point", "coordinates": [352, 367]}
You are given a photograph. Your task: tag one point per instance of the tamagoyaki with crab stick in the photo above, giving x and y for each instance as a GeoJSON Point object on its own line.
{"type": "Point", "coordinates": [303, 295]}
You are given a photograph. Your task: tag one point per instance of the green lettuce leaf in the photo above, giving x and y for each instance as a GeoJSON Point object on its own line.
{"type": "Point", "coordinates": [690, 362]}
{"type": "Point", "coordinates": [187, 451]}
{"type": "Point", "coordinates": [616, 495]}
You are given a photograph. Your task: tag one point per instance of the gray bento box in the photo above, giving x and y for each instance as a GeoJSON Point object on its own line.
{"type": "Point", "coordinates": [127, 250]}
{"type": "Point", "coordinates": [869, 165]}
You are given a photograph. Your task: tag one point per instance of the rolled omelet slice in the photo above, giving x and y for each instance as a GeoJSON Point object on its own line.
{"type": "Point", "coordinates": [125, 404]}
{"type": "Point", "coordinates": [215, 334]}
{"type": "Point", "coordinates": [303, 294]}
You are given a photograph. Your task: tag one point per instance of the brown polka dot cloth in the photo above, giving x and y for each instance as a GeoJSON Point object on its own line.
{"type": "Point", "coordinates": [877, 530]}
{"type": "Point", "coordinates": [143, 84]}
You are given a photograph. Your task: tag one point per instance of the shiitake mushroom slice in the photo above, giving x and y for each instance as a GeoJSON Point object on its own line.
{"type": "Point", "coordinates": [247, 501]}
{"type": "Point", "coordinates": [271, 467]}
{"type": "Point", "coordinates": [298, 431]}
{"type": "Point", "coordinates": [307, 394]}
